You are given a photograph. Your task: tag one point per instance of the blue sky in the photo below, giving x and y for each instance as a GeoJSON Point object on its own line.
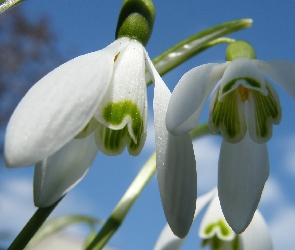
{"type": "Point", "coordinates": [86, 26]}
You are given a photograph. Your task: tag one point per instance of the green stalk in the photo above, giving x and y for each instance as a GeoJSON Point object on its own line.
{"type": "Point", "coordinates": [55, 225]}
{"type": "Point", "coordinates": [118, 215]}
{"type": "Point", "coordinates": [165, 66]}
{"type": "Point", "coordinates": [201, 130]}
{"type": "Point", "coordinates": [32, 227]}
{"type": "Point", "coordinates": [8, 4]}
{"type": "Point", "coordinates": [124, 205]}
{"type": "Point", "coordinates": [195, 44]}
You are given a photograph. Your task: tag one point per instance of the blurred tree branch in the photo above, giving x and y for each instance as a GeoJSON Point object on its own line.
{"type": "Point", "coordinates": [27, 52]}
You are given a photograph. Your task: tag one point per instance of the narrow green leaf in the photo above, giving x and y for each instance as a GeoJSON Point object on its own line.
{"type": "Point", "coordinates": [124, 205]}
{"type": "Point", "coordinates": [195, 44]}
{"type": "Point", "coordinates": [32, 226]}
{"type": "Point", "coordinates": [57, 224]}
{"type": "Point", "coordinates": [8, 4]}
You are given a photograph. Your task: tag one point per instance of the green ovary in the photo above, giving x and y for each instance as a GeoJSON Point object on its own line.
{"type": "Point", "coordinates": [114, 141]}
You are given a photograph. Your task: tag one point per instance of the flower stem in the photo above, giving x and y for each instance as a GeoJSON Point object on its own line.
{"type": "Point", "coordinates": [32, 227]}
{"type": "Point", "coordinates": [202, 129]}
{"type": "Point", "coordinates": [6, 5]}
{"type": "Point", "coordinates": [124, 205]}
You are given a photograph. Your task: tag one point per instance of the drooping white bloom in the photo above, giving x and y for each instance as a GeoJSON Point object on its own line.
{"type": "Point", "coordinates": [243, 108]}
{"type": "Point", "coordinates": [215, 231]}
{"type": "Point", "coordinates": [94, 102]}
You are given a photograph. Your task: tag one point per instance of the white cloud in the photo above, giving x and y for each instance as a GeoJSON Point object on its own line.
{"type": "Point", "coordinates": [207, 154]}
{"type": "Point", "coordinates": [288, 154]}
{"type": "Point", "coordinates": [150, 140]}
{"type": "Point", "coordinates": [16, 203]}
{"type": "Point", "coordinates": [272, 193]}
{"type": "Point", "coordinates": [281, 214]}
{"type": "Point", "coordinates": [282, 227]}
{"type": "Point", "coordinates": [16, 207]}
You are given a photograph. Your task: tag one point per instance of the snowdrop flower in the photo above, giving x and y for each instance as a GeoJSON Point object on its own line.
{"type": "Point", "coordinates": [243, 108]}
{"type": "Point", "coordinates": [97, 101]}
{"type": "Point", "coordinates": [216, 233]}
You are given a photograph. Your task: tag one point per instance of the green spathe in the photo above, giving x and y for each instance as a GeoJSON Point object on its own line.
{"type": "Point", "coordinates": [239, 49]}
{"type": "Point", "coordinates": [136, 20]}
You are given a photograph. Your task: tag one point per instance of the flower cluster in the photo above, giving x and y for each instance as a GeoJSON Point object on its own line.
{"type": "Point", "coordinates": [95, 102]}
{"type": "Point", "coordinates": [243, 109]}
{"type": "Point", "coordinates": [98, 102]}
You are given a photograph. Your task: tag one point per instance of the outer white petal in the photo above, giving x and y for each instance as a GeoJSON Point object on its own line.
{"type": "Point", "coordinates": [281, 72]}
{"type": "Point", "coordinates": [214, 215]}
{"type": "Point", "coordinates": [59, 173]}
{"type": "Point", "coordinates": [176, 165]}
{"type": "Point", "coordinates": [257, 235]}
{"type": "Point", "coordinates": [190, 95]}
{"type": "Point", "coordinates": [242, 173]}
{"type": "Point", "coordinates": [167, 240]}
{"type": "Point", "coordinates": [58, 106]}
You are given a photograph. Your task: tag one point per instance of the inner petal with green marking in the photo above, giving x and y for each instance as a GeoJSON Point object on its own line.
{"type": "Point", "coordinates": [220, 225]}
{"type": "Point", "coordinates": [264, 112]}
{"type": "Point", "coordinates": [227, 114]}
{"type": "Point", "coordinates": [126, 128]}
{"type": "Point", "coordinates": [215, 243]}
{"type": "Point", "coordinates": [217, 236]}
{"type": "Point", "coordinates": [228, 117]}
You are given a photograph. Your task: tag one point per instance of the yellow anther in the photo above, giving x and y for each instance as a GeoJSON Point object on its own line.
{"type": "Point", "coordinates": [116, 57]}
{"type": "Point", "coordinates": [244, 93]}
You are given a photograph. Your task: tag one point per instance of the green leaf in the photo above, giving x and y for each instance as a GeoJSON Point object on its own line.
{"type": "Point", "coordinates": [195, 44]}
{"type": "Point", "coordinates": [57, 224]}
{"type": "Point", "coordinates": [8, 4]}
{"type": "Point", "coordinates": [119, 213]}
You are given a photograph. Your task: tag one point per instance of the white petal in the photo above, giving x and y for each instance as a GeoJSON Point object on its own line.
{"type": "Point", "coordinates": [176, 165]}
{"type": "Point", "coordinates": [242, 173]}
{"type": "Point", "coordinates": [58, 107]}
{"type": "Point", "coordinates": [59, 173]}
{"type": "Point", "coordinates": [281, 72]}
{"type": "Point", "coordinates": [257, 235]}
{"type": "Point", "coordinates": [167, 240]}
{"type": "Point", "coordinates": [214, 216]}
{"type": "Point", "coordinates": [242, 71]}
{"type": "Point", "coordinates": [190, 95]}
